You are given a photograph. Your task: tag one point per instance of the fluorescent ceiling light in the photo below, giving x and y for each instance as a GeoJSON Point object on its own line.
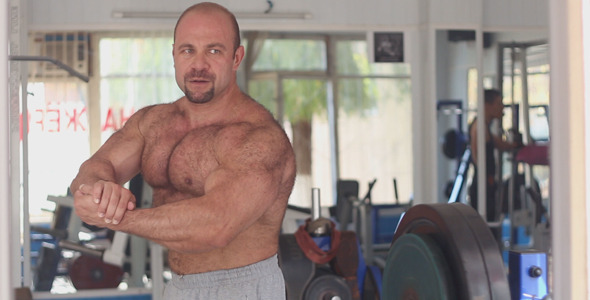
{"type": "Point", "coordinates": [239, 15]}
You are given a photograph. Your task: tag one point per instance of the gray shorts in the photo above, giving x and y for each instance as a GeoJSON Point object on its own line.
{"type": "Point", "coordinates": [262, 280]}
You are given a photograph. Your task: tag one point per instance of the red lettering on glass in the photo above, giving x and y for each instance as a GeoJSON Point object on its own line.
{"type": "Point", "coordinates": [109, 121]}
{"type": "Point", "coordinates": [56, 120]}
{"type": "Point", "coordinates": [41, 119]}
{"type": "Point", "coordinates": [74, 119]}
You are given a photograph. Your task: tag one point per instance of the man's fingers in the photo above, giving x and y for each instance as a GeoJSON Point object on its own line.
{"type": "Point", "coordinates": [124, 201]}
{"type": "Point", "coordinates": [97, 191]}
{"type": "Point", "coordinates": [113, 200]}
{"type": "Point", "coordinates": [110, 200]}
{"type": "Point", "coordinates": [85, 189]}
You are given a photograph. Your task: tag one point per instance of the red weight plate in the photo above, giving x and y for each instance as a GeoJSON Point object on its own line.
{"type": "Point", "coordinates": [87, 272]}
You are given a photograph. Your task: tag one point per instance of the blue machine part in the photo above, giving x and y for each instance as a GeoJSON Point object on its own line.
{"type": "Point", "coordinates": [323, 242]}
{"type": "Point", "coordinates": [365, 270]}
{"type": "Point", "coordinates": [518, 237]}
{"type": "Point", "coordinates": [362, 269]}
{"type": "Point", "coordinates": [384, 220]}
{"type": "Point", "coordinates": [527, 275]}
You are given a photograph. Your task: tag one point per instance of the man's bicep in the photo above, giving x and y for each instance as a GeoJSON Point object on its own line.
{"type": "Point", "coordinates": [253, 186]}
{"type": "Point", "coordinates": [252, 181]}
{"type": "Point", "coordinates": [252, 168]}
{"type": "Point", "coordinates": [123, 151]}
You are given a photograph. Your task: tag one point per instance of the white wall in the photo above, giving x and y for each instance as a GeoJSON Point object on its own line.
{"type": "Point", "coordinates": [66, 14]}
{"type": "Point", "coordinates": [327, 14]}
{"type": "Point", "coordinates": [6, 282]}
{"type": "Point", "coordinates": [569, 129]}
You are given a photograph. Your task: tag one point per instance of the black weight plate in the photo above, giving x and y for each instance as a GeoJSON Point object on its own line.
{"type": "Point", "coordinates": [328, 287]}
{"type": "Point", "coordinates": [46, 270]}
{"type": "Point", "coordinates": [469, 248]}
{"type": "Point", "coordinates": [490, 250]}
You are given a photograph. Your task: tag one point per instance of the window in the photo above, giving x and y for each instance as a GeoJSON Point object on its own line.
{"type": "Point", "coordinates": [292, 55]}
{"type": "Point", "coordinates": [136, 70]}
{"type": "Point", "coordinates": [374, 122]}
{"type": "Point", "coordinates": [57, 118]}
{"type": "Point", "coordinates": [373, 104]}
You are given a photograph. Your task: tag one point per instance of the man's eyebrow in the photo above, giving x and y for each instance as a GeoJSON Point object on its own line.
{"type": "Point", "coordinates": [216, 45]}
{"type": "Point", "coordinates": [185, 45]}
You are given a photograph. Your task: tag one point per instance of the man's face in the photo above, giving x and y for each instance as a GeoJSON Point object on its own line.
{"type": "Point", "coordinates": [497, 107]}
{"type": "Point", "coordinates": [204, 58]}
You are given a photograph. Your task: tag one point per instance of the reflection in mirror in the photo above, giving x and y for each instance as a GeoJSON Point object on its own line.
{"type": "Point", "coordinates": [517, 65]}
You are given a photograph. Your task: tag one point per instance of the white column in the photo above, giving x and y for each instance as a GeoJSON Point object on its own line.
{"type": "Point", "coordinates": [6, 285]}
{"type": "Point", "coordinates": [569, 148]}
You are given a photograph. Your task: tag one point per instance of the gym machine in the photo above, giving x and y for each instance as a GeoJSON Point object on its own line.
{"type": "Point", "coordinates": [453, 143]}
{"type": "Point", "coordinates": [438, 251]}
{"type": "Point", "coordinates": [101, 260]}
{"type": "Point", "coordinates": [447, 251]}
{"type": "Point", "coordinates": [90, 267]}
{"type": "Point", "coordinates": [320, 261]}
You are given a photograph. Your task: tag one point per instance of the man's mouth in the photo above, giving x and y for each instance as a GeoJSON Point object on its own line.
{"type": "Point", "coordinates": [199, 76]}
{"type": "Point", "coordinates": [198, 80]}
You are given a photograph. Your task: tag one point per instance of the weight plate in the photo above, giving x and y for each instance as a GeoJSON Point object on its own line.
{"type": "Point", "coordinates": [87, 272]}
{"type": "Point", "coordinates": [297, 269]}
{"type": "Point", "coordinates": [346, 261]}
{"type": "Point", "coordinates": [417, 270]}
{"type": "Point", "coordinates": [328, 287]}
{"type": "Point", "coordinates": [469, 248]}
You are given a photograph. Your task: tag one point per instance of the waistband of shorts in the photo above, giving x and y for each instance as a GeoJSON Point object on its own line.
{"type": "Point", "coordinates": [229, 276]}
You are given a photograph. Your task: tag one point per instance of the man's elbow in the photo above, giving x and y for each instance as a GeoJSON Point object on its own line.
{"type": "Point", "coordinates": [200, 244]}
{"type": "Point", "coordinates": [218, 239]}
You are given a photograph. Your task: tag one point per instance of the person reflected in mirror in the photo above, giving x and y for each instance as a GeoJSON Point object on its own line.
{"type": "Point", "coordinates": [493, 110]}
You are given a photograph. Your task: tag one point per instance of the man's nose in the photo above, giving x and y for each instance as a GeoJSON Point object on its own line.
{"type": "Point", "coordinates": [199, 61]}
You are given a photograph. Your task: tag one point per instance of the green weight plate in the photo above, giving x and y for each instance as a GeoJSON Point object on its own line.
{"type": "Point", "coordinates": [417, 270]}
{"type": "Point", "coordinates": [469, 248]}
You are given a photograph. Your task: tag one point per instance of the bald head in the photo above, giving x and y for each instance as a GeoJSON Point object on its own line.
{"type": "Point", "coordinates": [208, 7]}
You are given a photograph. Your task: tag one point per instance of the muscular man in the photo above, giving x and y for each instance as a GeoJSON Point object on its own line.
{"type": "Point", "coordinates": [221, 168]}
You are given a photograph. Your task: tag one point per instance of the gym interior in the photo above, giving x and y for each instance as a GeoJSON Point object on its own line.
{"type": "Point", "coordinates": [376, 97]}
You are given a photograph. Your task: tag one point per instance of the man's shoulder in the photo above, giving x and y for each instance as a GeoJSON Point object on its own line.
{"type": "Point", "coordinates": [160, 108]}
{"type": "Point", "coordinates": [263, 134]}
{"type": "Point", "coordinates": [157, 112]}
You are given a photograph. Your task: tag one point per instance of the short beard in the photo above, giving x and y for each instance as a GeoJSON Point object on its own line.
{"type": "Point", "coordinates": [203, 98]}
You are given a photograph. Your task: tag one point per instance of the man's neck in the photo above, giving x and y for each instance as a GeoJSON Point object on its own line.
{"type": "Point", "coordinates": [220, 109]}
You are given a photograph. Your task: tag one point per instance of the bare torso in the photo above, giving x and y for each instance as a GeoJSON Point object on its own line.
{"type": "Point", "coordinates": [180, 154]}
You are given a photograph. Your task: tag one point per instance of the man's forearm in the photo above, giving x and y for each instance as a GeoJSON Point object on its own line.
{"type": "Point", "coordinates": [176, 226]}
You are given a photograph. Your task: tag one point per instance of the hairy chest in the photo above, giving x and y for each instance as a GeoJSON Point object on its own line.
{"type": "Point", "coordinates": [180, 160]}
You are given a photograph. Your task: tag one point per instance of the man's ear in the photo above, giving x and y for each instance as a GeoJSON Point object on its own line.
{"type": "Point", "coordinates": [173, 54]}
{"type": "Point", "coordinates": [238, 57]}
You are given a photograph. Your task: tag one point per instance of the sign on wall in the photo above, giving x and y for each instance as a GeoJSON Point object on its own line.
{"type": "Point", "coordinates": [386, 46]}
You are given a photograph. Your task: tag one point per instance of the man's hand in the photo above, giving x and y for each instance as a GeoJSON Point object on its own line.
{"type": "Point", "coordinates": [109, 201]}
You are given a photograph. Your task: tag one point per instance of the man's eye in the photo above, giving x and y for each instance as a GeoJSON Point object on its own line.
{"type": "Point", "coordinates": [214, 51]}
{"type": "Point", "coordinates": [186, 51]}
